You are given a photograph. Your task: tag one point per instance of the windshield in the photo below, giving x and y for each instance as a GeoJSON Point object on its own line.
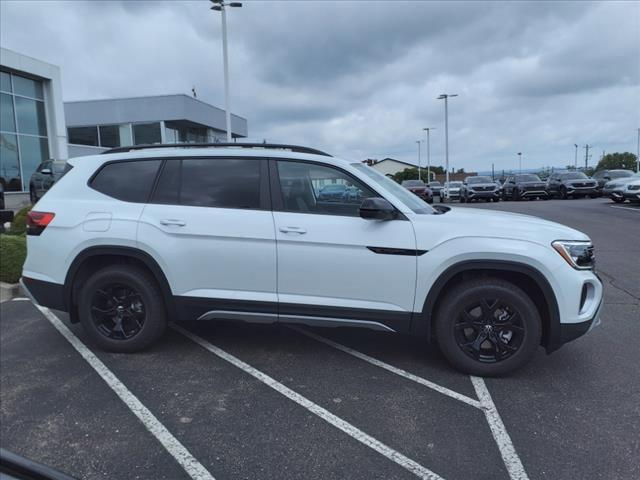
{"type": "Point", "coordinates": [413, 183]}
{"type": "Point", "coordinates": [455, 184]}
{"type": "Point", "coordinates": [528, 178]}
{"type": "Point", "coordinates": [471, 180]}
{"type": "Point", "coordinates": [434, 184]}
{"type": "Point", "coordinates": [58, 167]}
{"type": "Point", "coordinates": [410, 200]}
{"type": "Point", "coordinates": [620, 174]}
{"type": "Point", "coordinates": [573, 176]}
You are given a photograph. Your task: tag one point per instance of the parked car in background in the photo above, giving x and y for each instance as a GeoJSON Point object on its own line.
{"type": "Point", "coordinates": [436, 187]}
{"type": "Point", "coordinates": [479, 188]}
{"type": "Point", "coordinates": [419, 188]}
{"type": "Point", "coordinates": [526, 185]}
{"type": "Point", "coordinates": [604, 176]}
{"type": "Point", "coordinates": [499, 185]}
{"type": "Point", "coordinates": [614, 188]}
{"type": "Point", "coordinates": [453, 188]}
{"type": "Point", "coordinates": [631, 191]}
{"type": "Point", "coordinates": [571, 184]}
{"type": "Point", "coordinates": [334, 191]}
{"type": "Point", "coordinates": [47, 173]}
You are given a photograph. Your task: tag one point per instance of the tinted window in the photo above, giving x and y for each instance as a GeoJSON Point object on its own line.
{"type": "Point", "coordinates": [479, 180]}
{"type": "Point", "coordinates": [222, 183]}
{"type": "Point", "coordinates": [311, 188]}
{"type": "Point", "coordinates": [146, 133]}
{"type": "Point", "coordinates": [620, 174]}
{"type": "Point", "coordinates": [127, 181]}
{"type": "Point", "coordinates": [83, 135]}
{"type": "Point", "coordinates": [527, 178]}
{"type": "Point", "coordinates": [573, 176]}
{"type": "Point", "coordinates": [413, 183]}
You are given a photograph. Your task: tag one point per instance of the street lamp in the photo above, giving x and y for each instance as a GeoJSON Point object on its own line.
{"type": "Point", "coordinates": [445, 97]}
{"type": "Point", "coordinates": [638, 153]}
{"type": "Point", "coordinates": [520, 162]}
{"type": "Point", "coordinates": [419, 159]}
{"type": "Point", "coordinates": [427, 129]}
{"type": "Point", "coordinates": [576, 159]}
{"type": "Point", "coordinates": [220, 6]}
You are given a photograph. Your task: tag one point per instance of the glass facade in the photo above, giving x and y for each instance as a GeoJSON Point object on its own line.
{"type": "Point", "coordinates": [24, 141]}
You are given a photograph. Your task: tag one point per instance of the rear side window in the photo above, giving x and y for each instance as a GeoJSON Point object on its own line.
{"type": "Point", "coordinates": [129, 181]}
{"type": "Point", "coordinates": [221, 183]}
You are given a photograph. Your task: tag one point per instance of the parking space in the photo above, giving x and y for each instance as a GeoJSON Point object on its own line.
{"type": "Point", "coordinates": [251, 401]}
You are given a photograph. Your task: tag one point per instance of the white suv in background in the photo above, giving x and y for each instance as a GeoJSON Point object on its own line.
{"type": "Point", "coordinates": [129, 240]}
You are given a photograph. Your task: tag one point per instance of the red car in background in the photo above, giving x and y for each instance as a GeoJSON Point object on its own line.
{"type": "Point", "coordinates": [419, 188]}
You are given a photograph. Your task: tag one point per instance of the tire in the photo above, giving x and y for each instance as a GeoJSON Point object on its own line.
{"type": "Point", "coordinates": [490, 357]}
{"type": "Point", "coordinates": [144, 318]}
{"type": "Point", "coordinates": [516, 195]}
{"type": "Point", "coordinates": [618, 200]}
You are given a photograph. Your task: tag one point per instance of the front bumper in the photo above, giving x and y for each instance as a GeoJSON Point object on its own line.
{"type": "Point", "coordinates": [488, 194]}
{"type": "Point", "coordinates": [534, 193]}
{"type": "Point", "coordinates": [571, 331]}
{"type": "Point", "coordinates": [571, 190]}
{"type": "Point", "coordinates": [632, 195]}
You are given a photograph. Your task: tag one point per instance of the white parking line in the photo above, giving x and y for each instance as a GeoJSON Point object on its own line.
{"type": "Point", "coordinates": [194, 468]}
{"type": "Point", "coordinates": [324, 414]}
{"type": "Point", "coordinates": [498, 430]}
{"type": "Point", "coordinates": [391, 368]}
{"type": "Point", "coordinates": [629, 209]}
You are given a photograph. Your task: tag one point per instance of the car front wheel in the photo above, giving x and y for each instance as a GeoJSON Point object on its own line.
{"type": "Point", "coordinates": [487, 326]}
{"type": "Point", "coordinates": [121, 308]}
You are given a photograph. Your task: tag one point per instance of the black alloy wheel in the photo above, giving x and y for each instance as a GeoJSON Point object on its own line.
{"type": "Point", "coordinates": [118, 311]}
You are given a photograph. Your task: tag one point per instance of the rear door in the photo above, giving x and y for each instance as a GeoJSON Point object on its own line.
{"type": "Point", "coordinates": [333, 265]}
{"type": "Point", "coordinates": [210, 226]}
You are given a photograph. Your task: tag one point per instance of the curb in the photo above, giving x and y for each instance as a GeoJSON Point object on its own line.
{"type": "Point", "coordinates": [9, 291]}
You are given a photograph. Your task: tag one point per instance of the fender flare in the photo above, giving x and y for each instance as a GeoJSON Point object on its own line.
{"type": "Point", "coordinates": [421, 323]}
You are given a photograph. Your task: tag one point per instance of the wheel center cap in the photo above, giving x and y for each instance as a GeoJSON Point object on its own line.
{"type": "Point", "coordinates": [488, 328]}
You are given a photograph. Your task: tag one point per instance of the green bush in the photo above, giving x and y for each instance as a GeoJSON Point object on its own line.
{"type": "Point", "coordinates": [13, 251]}
{"type": "Point", "coordinates": [19, 223]}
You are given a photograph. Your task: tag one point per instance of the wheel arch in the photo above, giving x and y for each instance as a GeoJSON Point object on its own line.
{"type": "Point", "coordinates": [94, 258]}
{"type": "Point", "coordinates": [530, 279]}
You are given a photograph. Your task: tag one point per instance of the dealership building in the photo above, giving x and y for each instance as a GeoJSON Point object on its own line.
{"type": "Point", "coordinates": [37, 125]}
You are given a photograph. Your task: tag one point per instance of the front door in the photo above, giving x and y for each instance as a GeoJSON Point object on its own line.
{"type": "Point", "coordinates": [335, 267]}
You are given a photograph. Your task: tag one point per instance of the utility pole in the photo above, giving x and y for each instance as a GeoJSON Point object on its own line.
{"type": "Point", "coordinates": [445, 97]}
{"type": "Point", "coordinates": [586, 155]}
{"type": "Point", "coordinates": [575, 162]}
{"type": "Point", "coordinates": [220, 6]}
{"type": "Point", "coordinates": [519, 162]}
{"type": "Point", "coordinates": [419, 159]}
{"type": "Point", "coordinates": [638, 153]}
{"type": "Point", "coordinates": [428, 129]}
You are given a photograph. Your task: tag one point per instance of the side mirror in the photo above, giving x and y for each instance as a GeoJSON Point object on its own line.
{"type": "Point", "coordinates": [377, 208]}
{"type": "Point", "coordinates": [46, 171]}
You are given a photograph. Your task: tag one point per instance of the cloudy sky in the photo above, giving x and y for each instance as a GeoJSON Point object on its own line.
{"type": "Point", "coordinates": [360, 79]}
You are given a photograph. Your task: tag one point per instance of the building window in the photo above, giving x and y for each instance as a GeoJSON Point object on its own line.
{"type": "Point", "coordinates": [83, 136]}
{"type": "Point", "coordinates": [24, 140]}
{"type": "Point", "coordinates": [146, 133]}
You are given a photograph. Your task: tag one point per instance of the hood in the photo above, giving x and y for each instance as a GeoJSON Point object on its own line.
{"type": "Point", "coordinates": [465, 222]}
{"type": "Point", "coordinates": [483, 185]}
{"type": "Point", "coordinates": [619, 182]}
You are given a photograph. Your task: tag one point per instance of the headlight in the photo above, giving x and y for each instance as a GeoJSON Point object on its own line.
{"type": "Point", "coordinates": [633, 187]}
{"type": "Point", "coordinates": [578, 254]}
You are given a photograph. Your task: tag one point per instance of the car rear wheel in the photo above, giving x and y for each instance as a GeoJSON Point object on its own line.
{"type": "Point", "coordinates": [516, 194]}
{"type": "Point", "coordinates": [488, 327]}
{"type": "Point", "coordinates": [121, 308]}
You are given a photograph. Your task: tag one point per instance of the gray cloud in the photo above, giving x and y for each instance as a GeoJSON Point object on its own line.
{"type": "Point", "coordinates": [360, 78]}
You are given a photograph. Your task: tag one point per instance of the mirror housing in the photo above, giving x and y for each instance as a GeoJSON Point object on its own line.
{"type": "Point", "coordinates": [377, 208]}
{"type": "Point", "coordinates": [46, 171]}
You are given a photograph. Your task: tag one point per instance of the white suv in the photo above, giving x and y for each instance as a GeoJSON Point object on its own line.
{"type": "Point", "coordinates": [130, 240]}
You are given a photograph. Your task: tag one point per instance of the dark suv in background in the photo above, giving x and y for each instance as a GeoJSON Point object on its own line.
{"type": "Point", "coordinates": [477, 188]}
{"type": "Point", "coordinates": [571, 184]}
{"type": "Point", "coordinates": [47, 173]}
{"type": "Point", "coordinates": [603, 176]}
{"type": "Point", "coordinates": [526, 185]}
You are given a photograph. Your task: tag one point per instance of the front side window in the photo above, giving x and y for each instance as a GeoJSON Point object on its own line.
{"type": "Point", "coordinates": [129, 181]}
{"type": "Point", "coordinates": [312, 188]}
{"type": "Point", "coordinates": [210, 182]}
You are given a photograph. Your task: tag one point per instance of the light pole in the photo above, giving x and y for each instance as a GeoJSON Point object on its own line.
{"type": "Point", "coordinates": [445, 97]}
{"type": "Point", "coordinates": [520, 162]}
{"type": "Point", "coordinates": [428, 129]}
{"type": "Point", "coordinates": [220, 6]}
{"type": "Point", "coordinates": [576, 159]}
{"type": "Point", "coordinates": [419, 159]}
{"type": "Point", "coordinates": [638, 153]}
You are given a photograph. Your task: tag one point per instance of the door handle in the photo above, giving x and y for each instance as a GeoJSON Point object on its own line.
{"type": "Point", "coordinates": [172, 222]}
{"type": "Point", "coordinates": [297, 230]}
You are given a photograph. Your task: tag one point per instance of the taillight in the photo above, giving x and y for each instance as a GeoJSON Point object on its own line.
{"type": "Point", "coordinates": [38, 221]}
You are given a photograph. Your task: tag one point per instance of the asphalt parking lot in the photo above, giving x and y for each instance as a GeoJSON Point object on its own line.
{"type": "Point", "coordinates": [252, 401]}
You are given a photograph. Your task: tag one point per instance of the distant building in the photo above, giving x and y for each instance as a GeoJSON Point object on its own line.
{"type": "Point", "coordinates": [32, 125]}
{"type": "Point", "coordinates": [389, 166]}
{"type": "Point", "coordinates": [96, 125]}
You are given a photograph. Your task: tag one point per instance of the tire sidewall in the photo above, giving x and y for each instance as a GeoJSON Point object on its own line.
{"type": "Point", "coordinates": [473, 291]}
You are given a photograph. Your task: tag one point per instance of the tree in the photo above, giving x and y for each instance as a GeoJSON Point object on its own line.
{"type": "Point", "coordinates": [412, 174]}
{"type": "Point", "coordinates": [610, 161]}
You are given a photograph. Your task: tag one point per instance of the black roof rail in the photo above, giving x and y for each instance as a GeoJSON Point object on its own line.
{"type": "Point", "coordinates": [274, 146]}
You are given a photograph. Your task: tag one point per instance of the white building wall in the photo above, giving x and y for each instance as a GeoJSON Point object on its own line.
{"type": "Point", "coordinates": [390, 167]}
